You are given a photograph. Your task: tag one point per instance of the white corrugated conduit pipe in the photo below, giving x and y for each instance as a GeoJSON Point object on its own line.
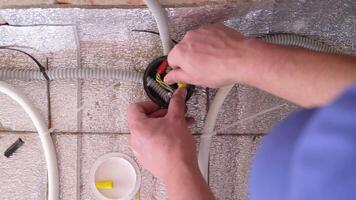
{"type": "Point", "coordinates": [298, 41]}
{"type": "Point", "coordinates": [71, 73]}
{"type": "Point", "coordinates": [45, 136]}
{"type": "Point", "coordinates": [136, 77]}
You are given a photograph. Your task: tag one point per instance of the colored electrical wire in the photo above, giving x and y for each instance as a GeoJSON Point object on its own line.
{"type": "Point", "coordinates": [152, 32]}
{"type": "Point", "coordinates": [139, 195]}
{"type": "Point", "coordinates": [163, 84]}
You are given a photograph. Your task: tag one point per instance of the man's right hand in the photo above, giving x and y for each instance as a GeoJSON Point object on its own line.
{"type": "Point", "coordinates": [214, 56]}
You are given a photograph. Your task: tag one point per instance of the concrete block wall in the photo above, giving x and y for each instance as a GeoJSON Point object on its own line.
{"type": "Point", "coordinates": [88, 118]}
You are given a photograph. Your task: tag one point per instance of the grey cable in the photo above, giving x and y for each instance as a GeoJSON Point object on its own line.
{"type": "Point", "coordinates": [71, 73]}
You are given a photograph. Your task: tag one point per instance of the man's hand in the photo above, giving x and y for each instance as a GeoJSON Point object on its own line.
{"type": "Point", "coordinates": [214, 56]}
{"type": "Point", "coordinates": [161, 138]}
{"type": "Point", "coordinates": [164, 145]}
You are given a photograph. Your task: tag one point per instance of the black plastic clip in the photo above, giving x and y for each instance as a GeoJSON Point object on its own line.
{"type": "Point", "coordinates": [11, 150]}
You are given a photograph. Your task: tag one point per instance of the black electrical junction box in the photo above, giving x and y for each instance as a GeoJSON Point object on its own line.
{"type": "Point", "coordinates": [156, 89]}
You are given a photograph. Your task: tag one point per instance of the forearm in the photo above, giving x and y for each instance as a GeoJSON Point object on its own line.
{"type": "Point", "coordinates": [304, 77]}
{"type": "Point", "coordinates": [186, 183]}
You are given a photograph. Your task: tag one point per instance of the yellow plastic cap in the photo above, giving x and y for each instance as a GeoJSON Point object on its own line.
{"type": "Point", "coordinates": [108, 184]}
{"type": "Point", "coordinates": [182, 85]}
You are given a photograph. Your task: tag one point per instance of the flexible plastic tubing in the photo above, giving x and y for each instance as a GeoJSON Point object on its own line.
{"type": "Point", "coordinates": [136, 77]}
{"type": "Point", "coordinates": [208, 129]}
{"type": "Point", "coordinates": [298, 41]}
{"type": "Point", "coordinates": [46, 140]}
{"type": "Point", "coordinates": [71, 73]}
{"type": "Point", "coordinates": [163, 93]}
{"type": "Point", "coordinates": [162, 24]}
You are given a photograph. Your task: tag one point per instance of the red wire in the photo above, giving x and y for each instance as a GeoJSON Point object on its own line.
{"type": "Point", "coordinates": [162, 67]}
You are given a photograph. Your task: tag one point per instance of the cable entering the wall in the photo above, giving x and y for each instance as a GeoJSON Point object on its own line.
{"type": "Point", "coordinates": [162, 23]}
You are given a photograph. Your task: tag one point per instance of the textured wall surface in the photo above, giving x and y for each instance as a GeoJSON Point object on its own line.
{"type": "Point", "coordinates": [108, 3]}
{"type": "Point", "coordinates": [88, 118]}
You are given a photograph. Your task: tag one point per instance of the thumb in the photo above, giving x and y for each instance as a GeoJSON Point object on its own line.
{"type": "Point", "coordinates": [175, 76]}
{"type": "Point", "coordinates": [177, 105]}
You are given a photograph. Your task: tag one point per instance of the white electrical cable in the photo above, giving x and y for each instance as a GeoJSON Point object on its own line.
{"type": "Point", "coordinates": [46, 140]}
{"type": "Point", "coordinates": [208, 130]}
{"type": "Point", "coordinates": [161, 19]}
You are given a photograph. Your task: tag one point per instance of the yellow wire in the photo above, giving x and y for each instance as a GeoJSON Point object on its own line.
{"type": "Point", "coordinates": [159, 80]}
{"type": "Point", "coordinates": [162, 83]}
{"type": "Point", "coordinates": [138, 195]}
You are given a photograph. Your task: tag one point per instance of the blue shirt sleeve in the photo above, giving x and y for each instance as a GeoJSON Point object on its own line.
{"type": "Point", "coordinates": [311, 155]}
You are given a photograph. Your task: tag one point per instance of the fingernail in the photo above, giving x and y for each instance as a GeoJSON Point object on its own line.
{"type": "Point", "coordinates": [167, 80]}
{"type": "Point", "coordinates": [182, 92]}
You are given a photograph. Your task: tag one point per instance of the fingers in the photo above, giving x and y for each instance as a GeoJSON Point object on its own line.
{"type": "Point", "coordinates": [141, 110]}
{"type": "Point", "coordinates": [158, 113]}
{"type": "Point", "coordinates": [176, 108]}
{"type": "Point", "coordinates": [174, 55]}
{"type": "Point", "coordinates": [148, 106]}
{"type": "Point", "coordinates": [176, 76]}
{"type": "Point", "coordinates": [175, 61]}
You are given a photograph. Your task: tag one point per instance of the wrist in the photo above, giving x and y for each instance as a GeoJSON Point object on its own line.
{"type": "Point", "coordinates": [245, 60]}
{"type": "Point", "coordinates": [180, 172]}
{"type": "Point", "coordinates": [187, 182]}
{"type": "Point", "coordinates": [263, 58]}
